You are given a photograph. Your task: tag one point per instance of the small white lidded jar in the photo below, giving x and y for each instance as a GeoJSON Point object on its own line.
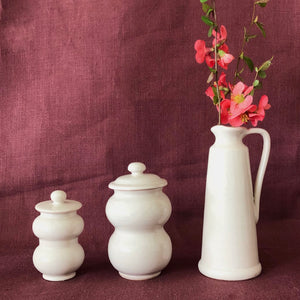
{"type": "Point", "coordinates": [139, 248]}
{"type": "Point", "coordinates": [59, 254]}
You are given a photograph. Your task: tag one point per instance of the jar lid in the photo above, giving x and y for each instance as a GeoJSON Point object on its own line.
{"type": "Point", "coordinates": [58, 204]}
{"type": "Point", "coordinates": [137, 180]}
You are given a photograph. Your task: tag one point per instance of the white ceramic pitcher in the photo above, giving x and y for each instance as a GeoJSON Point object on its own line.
{"type": "Point", "coordinates": [229, 242]}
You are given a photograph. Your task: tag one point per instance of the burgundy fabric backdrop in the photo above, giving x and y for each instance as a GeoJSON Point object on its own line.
{"type": "Point", "coordinates": [88, 87]}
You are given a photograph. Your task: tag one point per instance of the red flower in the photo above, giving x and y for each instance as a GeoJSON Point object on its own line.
{"type": "Point", "coordinates": [222, 80]}
{"type": "Point", "coordinates": [225, 107]}
{"type": "Point", "coordinates": [259, 114]}
{"type": "Point", "coordinates": [224, 48]}
{"type": "Point", "coordinates": [210, 61]}
{"type": "Point", "coordinates": [222, 86]}
{"type": "Point", "coordinates": [220, 37]}
{"type": "Point", "coordinates": [224, 57]}
{"type": "Point", "coordinates": [239, 109]}
{"type": "Point", "coordinates": [241, 117]}
{"type": "Point", "coordinates": [210, 93]}
{"type": "Point", "coordinates": [202, 51]}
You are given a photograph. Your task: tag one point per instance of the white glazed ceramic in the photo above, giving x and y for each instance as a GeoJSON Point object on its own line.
{"type": "Point", "coordinates": [139, 248]}
{"type": "Point", "coordinates": [229, 242]}
{"type": "Point", "coordinates": [59, 254]}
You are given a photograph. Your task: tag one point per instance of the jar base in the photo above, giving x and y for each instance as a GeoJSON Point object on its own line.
{"type": "Point", "coordinates": [59, 277]}
{"type": "Point", "coordinates": [139, 277]}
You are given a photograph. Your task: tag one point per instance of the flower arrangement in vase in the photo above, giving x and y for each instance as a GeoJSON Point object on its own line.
{"type": "Point", "coordinates": [234, 101]}
{"type": "Point", "coordinates": [231, 210]}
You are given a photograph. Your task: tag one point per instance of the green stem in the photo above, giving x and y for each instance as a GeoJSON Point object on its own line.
{"type": "Point", "coordinates": [243, 45]}
{"type": "Point", "coordinates": [253, 14]}
{"type": "Point", "coordinates": [216, 64]}
{"type": "Point", "coordinates": [238, 62]}
{"type": "Point", "coordinates": [256, 73]}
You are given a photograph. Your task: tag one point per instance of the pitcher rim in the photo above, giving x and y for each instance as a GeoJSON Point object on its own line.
{"type": "Point", "coordinates": [229, 128]}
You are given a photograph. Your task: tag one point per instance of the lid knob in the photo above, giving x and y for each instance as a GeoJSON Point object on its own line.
{"type": "Point", "coordinates": [136, 168]}
{"type": "Point", "coordinates": [58, 197]}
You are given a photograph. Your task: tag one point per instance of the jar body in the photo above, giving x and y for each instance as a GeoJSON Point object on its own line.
{"type": "Point", "coordinates": [59, 254]}
{"type": "Point", "coordinates": [139, 248]}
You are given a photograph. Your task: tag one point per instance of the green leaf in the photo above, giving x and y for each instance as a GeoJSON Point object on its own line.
{"type": "Point", "coordinates": [223, 88]}
{"type": "Point", "coordinates": [262, 74]}
{"type": "Point", "coordinates": [221, 53]}
{"type": "Point", "coordinates": [226, 92]}
{"type": "Point", "coordinates": [259, 86]}
{"type": "Point", "coordinates": [266, 65]}
{"type": "Point", "coordinates": [215, 91]}
{"type": "Point", "coordinates": [209, 34]}
{"type": "Point", "coordinates": [248, 62]}
{"type": "Point", "coordinates": [247, 36]}
{"type": "Point", "coordinates": [261, 28]}
{"type": "Point", "coordinates": [262, 3]}
{"type": "Point", "coordinates": [212, 70]}
{"type": "Point", "coordinates": [207, 20]}
{"type": "Point", "coordinates": [256, 83]}
{"type": "Point", "coordinates": [205, 7]}
{"type": "Point", "coordinates": [216, 100]}
{"type": "Point", "coordinates": [203, 1]}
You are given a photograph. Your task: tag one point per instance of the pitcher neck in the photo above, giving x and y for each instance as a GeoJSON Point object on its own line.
{"type": "Point", "coordinates": [226, 135]}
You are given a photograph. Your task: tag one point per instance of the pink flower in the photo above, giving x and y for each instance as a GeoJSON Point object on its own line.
{"type": "Point", "coordinates": [224, 58]}
{"type": "Point", "coordinates": [240, 92]}
{"type": "Point", "coordinates": [259, 114]}
{"type": "Point", "coordinates": [241, 102]}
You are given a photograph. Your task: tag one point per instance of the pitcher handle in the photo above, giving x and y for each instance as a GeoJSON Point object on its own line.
{"type": "Point", "coordinates": [262, 166]}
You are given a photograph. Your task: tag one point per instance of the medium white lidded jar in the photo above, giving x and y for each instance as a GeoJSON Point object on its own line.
{"type": "Point", "coordinates": [139, 248]}
{"type": "Point", "coordinates": [59, 254]}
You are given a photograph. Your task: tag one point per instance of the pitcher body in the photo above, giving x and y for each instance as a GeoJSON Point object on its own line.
{"type": "Point", "coordinates": [229, 242]}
